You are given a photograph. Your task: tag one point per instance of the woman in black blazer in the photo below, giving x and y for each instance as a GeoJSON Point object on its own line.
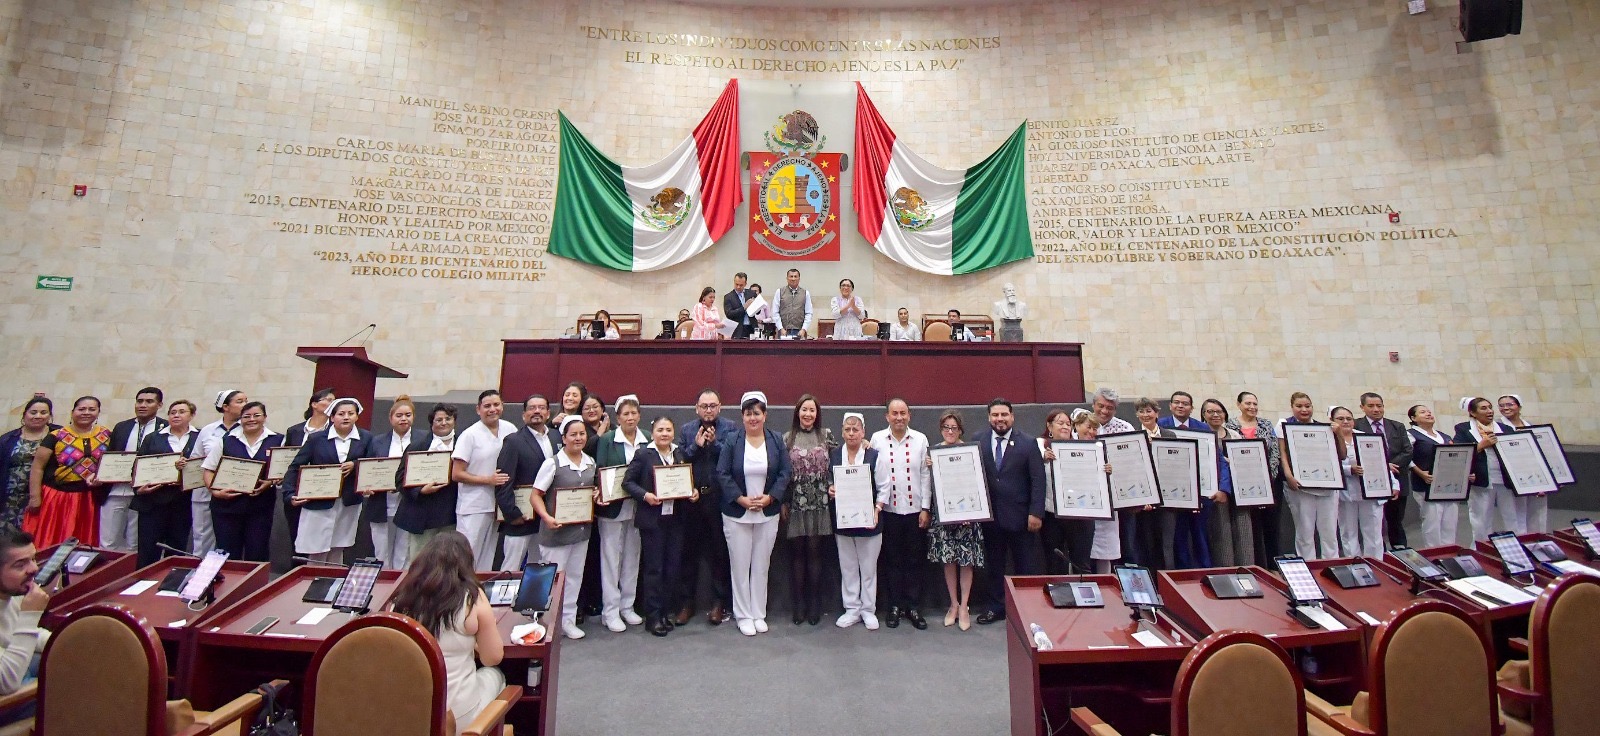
{"type": "Point", "coordinates": [243, 520]}
{"type": "Point", "coordinates": [1439, 518]}
{"type": "Point", "coordinates": [1491, 487]}
{"type": "Point", "coordinates": [427, 510]}
{"type": "Point", "coordinates": [316, 418]}
{"type": "Point", "coordinates": [660, 526]}
{"type": "Point", "coordinates": [328, 527]}
{"type": "Point", "coordinates": [164, 514]}
{"type": "Point", "coordinates": [749, 514]}
{"type": "Point", "coordinates": [858, 546]}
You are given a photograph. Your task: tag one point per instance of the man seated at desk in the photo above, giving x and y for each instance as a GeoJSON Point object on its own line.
{"type": "Point", "coordinates": [22, 602]}
{"type": "Point", "coordinates": [953, 317]}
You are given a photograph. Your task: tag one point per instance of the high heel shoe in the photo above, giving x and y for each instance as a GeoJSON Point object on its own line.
{"type": "Point", "coordinates": [950, 616]}
{"type": "Point", "coordinates": [965, 619]}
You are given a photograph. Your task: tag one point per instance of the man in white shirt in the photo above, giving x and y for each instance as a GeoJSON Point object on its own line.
{"type": "Point", "coordinates": [791, 306]}
{"type": "Point", "coordinates": [905, 493]}
{"type": "Point", "coordinates": [22, 602]}
{"type": "Point", "coordinates": [902, 330]}
{"type": "Point", "coordinates": [119, 524]}
{"type": "Point", "coordinates": [473, 467]}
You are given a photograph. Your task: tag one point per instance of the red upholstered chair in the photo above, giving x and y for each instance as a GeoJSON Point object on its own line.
{"type": "Point", "coordinates": [1432, 674]}
{"type": "Point", "coordinates": [383, 674]}
{"type": "Point", "coordinates": [1560, 693]}
{"type": "Point", "coordinates": [104, 673]}
{"type": "Point", "coordinates": [1234, 683]}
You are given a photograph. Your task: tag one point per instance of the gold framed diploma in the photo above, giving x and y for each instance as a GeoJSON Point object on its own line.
{"type": "Point", "coordinates": [155, 470]}
{"type": "Point", "coordinates": [278, 459]}
{"type": "Point", "coordinates": [572, 505]}
{"type": "Point", "coordinates": [377, 474]}
{"type": "Point", "coordinates": [236, 474]}
{"type": "Point", "coordinates": [522, 498]}
{"type": "Point", "coordinates": [674, 481]}
{"type": "Point", "coordinates": [427, 468]}
{"type": "Point", "coordinates": [610, 480]}
{"type": "Point", "coordinates": [319, 482]}
{"type": "Point", "coordinates": [191, 476]}
{"type": "Point", "coordinates": [116, 467]}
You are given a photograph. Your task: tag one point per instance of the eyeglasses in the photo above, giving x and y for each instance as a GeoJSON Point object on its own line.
{"type": "Point", "coordinates": [708, 406]}
{"type": "Point", "coordinates": [949, 428]}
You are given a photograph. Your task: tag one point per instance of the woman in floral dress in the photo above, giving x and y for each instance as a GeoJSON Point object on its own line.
{"type": "Point", "coordinates": [16, 459]}
{"type": "Point", "coordinates": [958, 546]}
{"type": "Point", "coordinates": [806, 514]}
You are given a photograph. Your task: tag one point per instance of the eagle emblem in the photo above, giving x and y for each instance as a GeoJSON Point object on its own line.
{"type": "Point", "coordinates": [911, 211]}
{"type": "Point", "coordinates": [666, 209]}
{"type": "Point", "coordinates": [796, 133]}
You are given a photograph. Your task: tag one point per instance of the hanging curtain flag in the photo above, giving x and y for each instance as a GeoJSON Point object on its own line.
{"type": "Point", "coordinates": [936, 220]}
{"type": "Point", "coordinates": [644, 218]}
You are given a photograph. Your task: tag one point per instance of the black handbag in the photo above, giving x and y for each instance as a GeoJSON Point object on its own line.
{"type": "Point", "coordinates": [274, 719]}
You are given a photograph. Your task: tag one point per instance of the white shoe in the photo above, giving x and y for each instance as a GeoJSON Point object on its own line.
{"type": "Point", "coordinates": [761, 626]}
{"type": "Point", "coordinates": [630, 618]}
{"type": "Point", "coordinates": [850, 618]}
{"type": "Point", "coordinates": [615, 624]}
{"type": "Point", "coordinates": [747, 627]}
{"type": "Point", "coordinates": [870, 619]}
{"type": "Point", "coordinates": [570, 628]}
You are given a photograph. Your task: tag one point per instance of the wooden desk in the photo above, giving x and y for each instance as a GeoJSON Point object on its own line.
{"type": "Point", "coordinates": [1095, 662]}
{"type": "Point", "coordinates": [981, 325]}
{"type": "Point", "coordinates": [1575, 550]}
{"type": "Point", "coordinates": [1340, 655]}
{"type": "Point", "coordinates": [1385, 599]}
{"type": "Point", "coordinates": [109, 566]}
{"type": "Point", "coordinates": [227, 661]}
{"type": "Point", "coordinates": [168, 614]}
{"type": "Point", "coordinates": [672, 372]}
{"type": "Point", "coordinates": [1505, 622]}
{"type": "Point", "coordinates": [535, 712]}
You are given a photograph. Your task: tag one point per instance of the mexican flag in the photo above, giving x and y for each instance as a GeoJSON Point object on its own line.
{"type": "Point", "coordinates": [937, 220]}
{"type": "Point", "coordinates": [644, 218]}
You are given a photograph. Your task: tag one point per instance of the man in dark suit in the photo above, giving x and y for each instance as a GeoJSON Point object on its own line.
{"type": "Point", "coordinates": [1014, 471]}
{"type": "Point", "coordinates": [1398, 442]}
{"type": "Point", "coordinates": [701, 441]}
{"type": "Point", "coordinates": [521, 456]}
{"type": "Point", "coordinates": [733, 306]}
{"type": "Point", "coordinates": [119, 524]}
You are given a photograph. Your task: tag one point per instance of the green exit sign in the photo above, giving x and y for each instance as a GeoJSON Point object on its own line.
{"type": "Point", "coordinates": [53, 283]}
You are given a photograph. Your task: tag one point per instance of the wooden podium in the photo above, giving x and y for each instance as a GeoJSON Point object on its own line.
{"type": "Point", "coordinates": [350, 373]}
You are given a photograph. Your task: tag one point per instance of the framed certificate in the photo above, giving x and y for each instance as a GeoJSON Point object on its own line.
{"type": "Point", "coordinates": [278, 459]}
{"type": "Point", "coordinates": [522, 496]}
{"type": "Point", "coordinates": [1133, 471]}
{"type": "Point", "coordinates": [155, 470]}
{"type": "Point", "coordinates": [1177, 465]}
{"type": "Point", "coordinates": [237, 474]}
{"type": "Point", "coordinates": [1372, 455]}
{"type": "Point", "coordinates": [1208, 458]}
{"type": "Point", "coordinates": [191, 476]}
{"type": "Point", "coordinates": [853, 497]}
{"type": "Point", "coordinates": [1083, 489]}
{"type": "Point", "coordinates": [1524, 462]}
{"type": "Point", "coordinates": [674, 481]}
{"type": "Point", "coordinates": [959, 490]}
{"type": "Point", "coordinates": [377, 474]}
{"type": "Point", "coordinates": [610, 480]}
{"type": "Point", "coordinates": [116, 467]}
{"type": "Point", "coordinates": [427, 468]}
{"type": "Point", "coordinates": [1452, 467]}
{"type": "Point", "coordinates": [1313, 456]}
{"type": "Point", "coordinates": [573, 505]}
{"type": "Point", "coordinates": [320, 482]}
{"type": "Point", "coordinates": [1549, 445]}
{"type": "Point", "coordinates": [1249, 463]}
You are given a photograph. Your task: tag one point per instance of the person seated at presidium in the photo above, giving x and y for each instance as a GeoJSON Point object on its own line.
{"type": "Point", "coordinates": [953, 318]}
{"type": "Point", "coordinates": [608, 327]}
{"type": "Point", "coordinates": [902, 330]}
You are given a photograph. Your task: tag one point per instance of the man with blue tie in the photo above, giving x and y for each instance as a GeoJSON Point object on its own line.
{"type": "Point", "coordinates": [733, 306]}
{"type": "Point", "coordinates": [1014, 471]}
{"type": "Point", "coordinates": [1189, 541]}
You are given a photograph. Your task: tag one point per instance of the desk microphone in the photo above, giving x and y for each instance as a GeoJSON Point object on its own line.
{"type": "Point", "coordinates": [1070, 567]}
{"type": "Point", "coordinates": [175, 550]}
{"type": "Point", "coordinates": [309, 561]}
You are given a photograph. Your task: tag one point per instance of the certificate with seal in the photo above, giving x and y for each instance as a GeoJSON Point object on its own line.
{"type": "Point", "coordinates": [959, 491]}
{"type": "Point", "coordinates": [610, 480]}
{"type": "Point", "coordinates": [1133, 470]}
{"type": "Point", "coordinates": [573, 505]}
{"type": "Point", "coordinates": [853, 502]}
{"type": "Point", "coordinates": [237, 474]}
{"type": "Point", "coordinates": [320, 482]}
{"type": "Point", "coordinates": [1083, 489]}
{"type": "Point", "coordinates": [116, 467]}
{"type": "Point", "coordinates": [377, 474]}
{"type": "Point", "coordinates": [427, 468]}
{"type": "Point", "coordinates": [1372, 454]}
{"type": "Point", "coordinates": [155, 470]}
{"type": "Point", "coordinates": [1249, 463]}
{"type": "Point", "coordinates": [1313, 456]}
{"type": "Point", "coordinates": [1177, 463]}
{"type": "Point", "coordinates": [278, 459]}
{"type": "Point", "coordinates": [674, 481]}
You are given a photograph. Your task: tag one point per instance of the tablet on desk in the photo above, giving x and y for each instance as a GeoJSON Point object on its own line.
{"type": "Point", "coordinates": [533, 594]}
{"type": "Point", "coordinates": [52, 567]}
{"type": "Point", "coordinates": [1138, 587]}
{"type": "Point", "coordinates": [1418, 565]}
{"type": "Point", "coordinates": [1303, 586]}
{"type": "Point", "coordinates": [356, 593]}
{"type": "Point", "coordinates": [1513, 557]}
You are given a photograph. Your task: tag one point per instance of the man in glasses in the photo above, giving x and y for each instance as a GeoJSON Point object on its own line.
{"type": "Point", "coordinates": [702, 442]}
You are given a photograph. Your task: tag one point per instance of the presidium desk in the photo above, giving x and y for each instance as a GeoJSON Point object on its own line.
{"type": "Point", "coordinates": [837, 372]}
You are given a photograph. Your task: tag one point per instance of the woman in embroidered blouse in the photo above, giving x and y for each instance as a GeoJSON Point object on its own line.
{"type": "Point", "coordinates": [806, 515]}
{"type": "Point", "coordinates": [848, 311]}
{"type": "Point", "coordinates": [61, 505]}
{"type": "Point", "coordinates": [706, 320]}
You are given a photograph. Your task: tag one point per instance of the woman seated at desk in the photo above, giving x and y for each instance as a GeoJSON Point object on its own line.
{"type": "Point", "coordinates": [608, 328]}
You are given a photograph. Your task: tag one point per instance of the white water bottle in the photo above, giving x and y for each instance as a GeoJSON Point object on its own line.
{"type": "Point", "coordinates": [1041, 640]}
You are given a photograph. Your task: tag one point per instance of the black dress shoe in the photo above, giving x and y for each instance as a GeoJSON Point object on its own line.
{"type": "Point", "coordinates": [989, 617]}
{"type": "Point", "coordinates": [917, 621]}
{"type": "Point", "coordinates": [580, 617]}
{"type": "Point", "coordinates": [661, 627]}
{"type": "Point", "coordinates": [814, 619]}
{"type": "Point", "coordinates": [892, 620]}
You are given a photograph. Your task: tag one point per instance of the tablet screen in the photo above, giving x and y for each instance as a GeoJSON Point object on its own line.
{"type": "Point", "coordinates": [1303, 587]}
{"type": "Point", "coordinates": [1417, 564]}
{"type": "Point", "coordinates": [358, 584]}
{"type": "Point", "coordinates": [195, 587]}
{"type": "Point", "coordinates": [534, 594]}
{"type": "Point", "coordinates": [1512, 555]}
{"type": "Point", "coordinates": [1138, 588]}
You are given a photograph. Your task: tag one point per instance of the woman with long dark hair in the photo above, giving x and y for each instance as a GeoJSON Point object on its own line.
{"type": "Point", "coordinates": [17, 448]}
{"type": "Point", "coordinates": [295, 436]}
{"type": "Point", "coordinates": [59, 502]}
{"type": "Point", "coordinates": [441, 592]}
{"type": "Point", "coordinates": [806, 515]}
{"type": "Point", "coordinates": [242, 520]}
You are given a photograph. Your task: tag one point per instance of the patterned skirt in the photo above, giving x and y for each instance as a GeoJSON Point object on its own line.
{"type": "Point", "coordinates": [62, 515]}
{"type": "Point", "coordinates": [956, 544]}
